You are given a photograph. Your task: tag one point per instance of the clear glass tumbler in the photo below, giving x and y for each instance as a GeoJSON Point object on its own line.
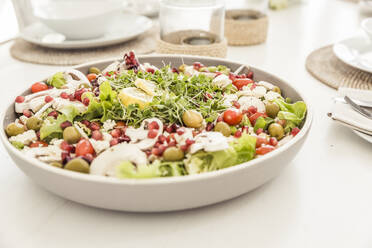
{"type": "Point", "coordinates": [192, 22]}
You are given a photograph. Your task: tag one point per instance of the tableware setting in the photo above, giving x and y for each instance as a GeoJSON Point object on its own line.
{"type": "Point", "coordinates": [352, 108]}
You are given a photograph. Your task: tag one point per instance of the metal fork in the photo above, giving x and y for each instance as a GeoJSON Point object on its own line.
{"type": "Point", "coordinates": [358, 108]}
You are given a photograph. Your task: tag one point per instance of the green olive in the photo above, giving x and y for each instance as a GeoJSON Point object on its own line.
{"type": "Point", "coordinates": [203, 69]}
{"type": "Point", "coordinates": [223, 128]}
{"type": "Point", "coordinates": [78, 165]}
{"type": "Point", "coordinates": [277, 90]}
{"type": "Point", "coordinates": [212, 68]}
{"type": "Point", "coordinates": [181, 68]}
{"type": "Point", "coordinates": [288, 100]}
{"type": "Point", "coordinates": [192, 118]}
{"type": "Point", "coordinates": [276, 130]}
{"type": "Point", "coordinates": [71, 135]}
{"type": "Point", "coordinates": [14, 129]}
{"type": "Point", "coordinates": [272, 109]}
{"type": "Point", "coordinates": [94, 70]}
{"type": "Point", "coordinates": [173, 154]}
{"type": "Point", "coordinates": [56, 164]}
{"type": "Point", "coordinates": [34, 123]}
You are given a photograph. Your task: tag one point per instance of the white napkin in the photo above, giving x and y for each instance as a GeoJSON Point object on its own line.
{"type": "Point", "coordinates": [345, 115]}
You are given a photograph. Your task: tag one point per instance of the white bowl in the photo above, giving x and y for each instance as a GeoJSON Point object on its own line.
{"type": "Point", "coordinates": [163, 194]}
{"type": "Point", "coordinates": [77, 19]}
{"type": "Point", "coordinates": [366, 25]}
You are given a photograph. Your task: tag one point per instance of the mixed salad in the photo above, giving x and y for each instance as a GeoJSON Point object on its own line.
{"type": "Point", "coordinates": [134, 120]}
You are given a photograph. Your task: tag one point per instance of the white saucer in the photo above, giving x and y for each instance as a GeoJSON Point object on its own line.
{"type": "Point", "coordinates": [364, 136]}
{"type": "Point", "coordinates": [126, 27]}
{"type": "Point", "coordinates": [355, 52]}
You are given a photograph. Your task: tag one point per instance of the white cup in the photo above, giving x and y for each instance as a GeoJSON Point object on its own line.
{"type": "Point", "coordinates": [77, 19]}
{"type": "Point", "coordinates": [366, 25]}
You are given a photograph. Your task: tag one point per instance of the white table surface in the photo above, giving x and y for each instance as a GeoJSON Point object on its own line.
{"type": "Point", "coordinates": [322, 199]}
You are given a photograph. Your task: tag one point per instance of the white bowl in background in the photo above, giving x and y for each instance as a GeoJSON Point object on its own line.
{"type": "Point", "coordinates": [366, 25]}
{"type": "Point", "coordinates": [163, 194]}
{"type": "Point", "coordinates": [77, 19]}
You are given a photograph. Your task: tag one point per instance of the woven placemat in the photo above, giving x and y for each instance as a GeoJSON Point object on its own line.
{"type": "Point", "coordinates": [245, 32]}
{"type": "Point", "coordinates": [28, 52]}
{"type": "Point", "coordinates": [328, 69]}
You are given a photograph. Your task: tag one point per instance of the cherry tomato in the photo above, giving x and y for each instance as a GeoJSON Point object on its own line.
{"type": "Point", "coordinates": [152, 133]}
{"type": "Point", "coordinates": [261, 141]}
{"type": "Point", "coordinates": [91, 77]}
{"type": "Point", "coordinates": [238, 134]}
{"type": "Point", "coordinates": [241, 82]}
{"type": "Point", "coordinates": [83, 148]}
{"type": "Point", "coordinates": [255, 116]}
{"type": "Point", "coordinates": [236, 104]}
{"type": "Point", "coordinates": [39, 86]}
{"type": "Point", "coordinates": [259, 130]}
{"type": "Point", "coordinates": [232, 117]}
{"type": "Point", "coordinates": [153, 125]}
{"type": "Point", "coordinates": [295, 131]}
{"type": "Point", "coordinates": [252, 110]}
{"type": "Point", "coordinates": [39, 144]}
{"type": "Point", "coordinates": [264, 149]}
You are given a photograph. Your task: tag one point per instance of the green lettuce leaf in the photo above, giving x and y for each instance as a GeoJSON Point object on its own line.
{"type": "Point", "coordinates": [57, 80]}
{"type": "Point", "coordinates": [51, 127]}
{"type": "Point", "coordinates": [245, 148]}
{"type": "Point", "coordinates": [157, 169]}
{"type": "Point", "coordinates": [291, 112]}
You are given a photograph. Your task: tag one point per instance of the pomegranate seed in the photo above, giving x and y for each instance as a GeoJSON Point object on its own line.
{"type": "Point", "coordinates": [175, 70]}
{"type": "Point", "coordinates": [115, 133]}
{"type": "Point", "coordinates": [209, 127]}
{"type": "Point", "coordinates": [208, 95]}
{"type": "Point", "coordinates": [197, 65]}
{"type": "Point", "coordinates": [65, 124]}
{"type": "Point", "coordinates": [20, 99]}
{"type": "Point", "coordinates": [162, 139]}
{"type": "Point", "coordinates": [78, 93]}
{"type": "Point", "coordinates": [148, 153]}
{"type": "Point", "coordinates": [261, 141]}
{"type": "Point", "coordinates": [85, 122]}
{"type": "Point", "coordinates": [252, 109]}
{"type": "Point", "coordinates": [124, 139]}
{"type": "Point", "coordinates": [189, 142]}
{"type": "Point", "coordinates": [71, 97]}
{"type": "Point", "coordinates": [168, 139]}
{"type": "Point", "coordinates": [156, 151]}
{"type": "Point", "coordinates": [97, 135]}
{"type": "Point", "coordinates": [232, 76]}
{"type": "Point", "coordinates": [88, 157]}
{"type": "Point", "coordinates": [67, 147]}
{"type": "Point", "coordinates": [162, 148]}
{"type": "Point", "coordinates": [94, 126]}
{"type": "Point", "coordinates": [236, 104]}
{"type": "Point", "coordinates": [172, 143]}
{"type": "Point", "coordinates": [64, 95]}
{"type": "Point", "coordinates": [152, 133]}
{"type": "Point", "coordinates": [180, 131]}
{"type": "Point", "coordinates": [220, 118]}
{"type": "Point", "coordinates": [250, 75]}
{"type": "Point", "coordinates": [238, 134]}
{"type": "Point", "coordinates": [114, 142]}
{"type": "Point", "coordinates": [150, 70]}
{"type": "Point", "coordinates": [260, 130]}
{"type": "Point", "coordinates": [253, 86]}
{"type": "Point", "coordinates": [38, 135]}
{"type": "Point", "coordinates": [54, 114]}
{"type": "Point", "coordinates": [295, 131]}
{"type": "Point", "coordinates": [184, 147]}
{"type": "Point", "coordinates": [273, 141]}
{"type": "Point", "coordinates": [65, 156]}
{"type": "Point", "coordinates": [153, 125]}
{"type": "Point", "coordinates": [48, 99]}
{"type": "Point", "coordinates": [86, 101]}
{"type": "Point", "coordinates": [27, 113]}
